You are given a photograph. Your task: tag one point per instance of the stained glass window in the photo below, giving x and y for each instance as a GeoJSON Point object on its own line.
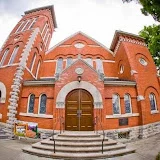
{"type": "Point", "coordinates": [13, 55]}
{"type": "Point", "coordinates": [99, 65]}
{"type": "Point", "coordinates": [116, 104]}
{"type": "Point", "coordinates": [127, 102]}
{"type": "Point", "coordinates": [43, 104]}
{"type": "Point", "coordinates": [69, 61]}
{"type": "Point", "coordinates": [31, 103]}
{"type": "Point", "coordinates": [152, 99]}
{"type": "Point", "coordinates": [59, 65]}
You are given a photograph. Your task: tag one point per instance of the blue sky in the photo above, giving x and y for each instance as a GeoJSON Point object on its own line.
{"type": "Point", "coordinates": [96, 18]}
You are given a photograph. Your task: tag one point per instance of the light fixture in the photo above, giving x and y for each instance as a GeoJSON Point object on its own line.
{"type": "Point", "coordinates": [79, 78]}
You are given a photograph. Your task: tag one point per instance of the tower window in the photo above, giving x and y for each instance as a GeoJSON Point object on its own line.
{"type": "Point", "coordinates": [32, 62]}
{"type": "Point", "coordinates": [69, 61]}
{"type": "Point", "coordinates": [4, 57]}
{"type": "Point", "coordinates": [99, 65]}
{"type": "Point", "coordinates": [31, 100]}
{"type": "Point", "coordinates": [127, 101]}
{"type": "Point", "coordinates": [18, 29]}
{"type": "Point", "coordinates": [0, 95]}
{"type": "Point", "coordinates": [38, 66]}
{"type": "Point", "coordinates": [13, 55]}
{"type": "Point", "coordinates": [59, 66]}
{"type": "Point", "coordinates": [32, 23]}
{"type": "Point", "coordinates": [43, 100]}
{"type": "Point", "coordinates": [116, 104]}
{"type": "Point", "coordinates": [89, 61]}
{"type": "Point", "coordinates": [25, 26]}
{"type": "Point", "coordinates": [153, 103]}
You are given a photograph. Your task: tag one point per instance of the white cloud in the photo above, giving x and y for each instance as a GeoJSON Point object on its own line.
{"type": "Point", "coordinates": [97, 18]}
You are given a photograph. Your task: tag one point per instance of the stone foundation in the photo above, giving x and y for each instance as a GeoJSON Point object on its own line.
{"type": "Point", "coordinates": [134, 132]}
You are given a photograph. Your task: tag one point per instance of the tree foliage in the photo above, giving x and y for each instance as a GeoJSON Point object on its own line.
{"type": "Point", "coordinates": [151, 34]}
{"type": "Point", "coordinates": [151, 7]}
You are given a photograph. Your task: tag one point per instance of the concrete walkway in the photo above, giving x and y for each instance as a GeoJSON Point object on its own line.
{"type": "Point", "coordinates": [146, 149]}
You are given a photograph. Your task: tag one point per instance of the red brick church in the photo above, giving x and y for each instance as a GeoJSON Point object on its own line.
{"type": "Point", "coordinates": [78, 79]}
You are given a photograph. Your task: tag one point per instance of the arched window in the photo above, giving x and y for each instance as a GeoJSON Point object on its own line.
{"type": "Point", "coordinates": [38, 66]}
{"type": "Point", "coordinates": [4, 56]}
{"type": "Point", "coordinates": [153, 103]}
{"type": "Point", "coordinates": [89, 61]}
{"type": "Point", "coordinates": [69, 61]}
{"type": "Point", "coordinates": [43, 100]}
{"type": "Point", "coordinates": [59, 66]}
{"type": "Point", "coordinates": [127, 102]}
{"type": "Point", "coordinates": [14, 53]}
{"type": "Point", "coordinates": [99, 65]}
{"type": "Point", "coordinates": [32, 62]}
{"type": "Point", "coordinates": [116, 104]}
{"type": "Point", "coordinates": [31, 100]}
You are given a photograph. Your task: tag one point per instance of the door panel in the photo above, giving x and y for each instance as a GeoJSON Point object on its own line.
{"type": "Point", "coordinates": [79, 111]}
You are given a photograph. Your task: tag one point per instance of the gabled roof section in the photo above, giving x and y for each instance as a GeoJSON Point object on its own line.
{"type": "Point", "coordinates": [119, 33]}
{"type": "Point", "coordinates": [92, 41]}
{"type": "Point", "coordinates": [51, 8]}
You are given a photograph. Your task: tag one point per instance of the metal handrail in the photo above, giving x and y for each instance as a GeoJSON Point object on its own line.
{"type": "Point", "coordinates": [96, 120]}
{"type": "Point", "coordinates": [61, 120]}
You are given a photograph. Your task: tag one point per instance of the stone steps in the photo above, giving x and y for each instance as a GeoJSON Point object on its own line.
{"type": "Point", "coordinates": [71, 145]}
{"type": "Point", "coordinates": [3, 133]}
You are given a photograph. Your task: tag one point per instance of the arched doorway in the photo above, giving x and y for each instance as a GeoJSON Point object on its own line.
{"type": "Point", "coordinates": [79, 111]}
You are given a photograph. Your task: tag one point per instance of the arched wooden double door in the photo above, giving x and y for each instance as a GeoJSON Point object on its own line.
{"type": "Point", "coordinates": [79, 111]}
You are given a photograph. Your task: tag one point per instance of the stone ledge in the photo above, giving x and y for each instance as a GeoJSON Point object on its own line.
{"type": "Point", "coordinates": [35, 115]}
{"type": "Point", "coordinates": [154, 112]}
{"type": "Point", "coordinates": [122, 115]}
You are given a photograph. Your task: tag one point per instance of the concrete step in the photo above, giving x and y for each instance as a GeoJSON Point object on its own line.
{"type": "Point", "coordinates": [81, 149]}
{"type": "Point", "coordinates": [79, 143]}
{"type": "Point", "coordinates": [3, 136]}
{"type": "Point", "coordinates": [51, 154]}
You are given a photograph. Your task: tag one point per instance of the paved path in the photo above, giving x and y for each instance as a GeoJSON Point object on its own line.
{"type": "Point", "coordinates": [146, 149]}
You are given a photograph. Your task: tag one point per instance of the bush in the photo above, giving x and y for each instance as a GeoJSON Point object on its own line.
{"type": "Point", "coordinates": [158, 156]}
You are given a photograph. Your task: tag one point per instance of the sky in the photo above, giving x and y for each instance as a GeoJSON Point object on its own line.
{"type": "Point", "coordinates": [97, 18]}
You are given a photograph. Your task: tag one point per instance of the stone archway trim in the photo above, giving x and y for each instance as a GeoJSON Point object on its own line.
{"type": "Point", "coordinates": [97, 98]}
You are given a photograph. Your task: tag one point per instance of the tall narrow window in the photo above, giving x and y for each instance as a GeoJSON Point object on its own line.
{"type": "Point", "coordinates": [49, 36]}
{"type": "Point", "coordinates": [43, 100]}
{"type": "Point", "coordinates": [153, 103]}
{"type": "Point", "coordinates": [31, 100]}
{"type": "Point", "coordinates": [45, 34]}
{"type": "Point", "coordinates": [38, 66]}
{"type": "Point", "coordinates": [116, 104]}
{"type": "Point", "coordinates": [69, 61]}
{"type": "Point", "coordinates": [4, 57]}
{"type": "Point", "coordinates": [127, 102]}
{"type": "Point", "coordinates": [44, 28]}
{"type": "Point", "coordinates": [99, 65]}
{"type": "Point", "coordinates": [32, 23]}
{"type": "Point", "coordinates": [19, 27]}
{"type": "Point", "coordinates": [0, 95]}
{"type": "Point", "coordinates": [89, 61]}
{"type": "Point", "coordinates": [32, 62]}
{"type": "Point", "coordinates": [59, 67]}
{"type": "Point", "coordinates": [25, 26]}
{"type": "Point", "coordinates": [13, 55]}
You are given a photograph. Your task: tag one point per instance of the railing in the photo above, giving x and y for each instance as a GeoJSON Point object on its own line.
{"type": "Point", "coordinates": [96, 122]}
{"type": "Point", "coordinates": [61, 122]}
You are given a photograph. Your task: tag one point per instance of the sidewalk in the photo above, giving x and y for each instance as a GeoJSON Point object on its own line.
{"type": "Point", "coordinates": [146, 149]}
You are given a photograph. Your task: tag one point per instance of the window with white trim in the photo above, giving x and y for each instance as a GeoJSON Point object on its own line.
{"type": "Point", "coordinates": [31, 100]}
{"type": "Point", "coordinates": [59, 66]}
{"type": "Point", "coordinates": [25, 26]}
{"type": "Point", "coordinates": [89, 61]}
{"type": "Point", "coordinates": [43, 100]}
{"type": "Point", "coordinates": [46, 41]}
{"type": "Point", "coordinates": [99, 65]}
{"type": "Point", "coordinates": [116, 104]}
{"type": "Point", "coordinates": [32, 62]}
{"type": "Point", "coordinates": [32, 23]}
{"type": "Point", "coordinates": [69, 61]}
{"type": "Point", "coordinates": [127, 102]}
{"type": "Point", "coordinates": [38, 66]}
{"type": "Point", "coordinates": [46, 24]}
{"type": "Point", "coordinates": [4, 57]}
{"type": "Point", "coordinates": [153, 103]}
{"type": "Point", "coordinates": [14, 53]}
{"type": "Point", "coordinates": [19, 27]}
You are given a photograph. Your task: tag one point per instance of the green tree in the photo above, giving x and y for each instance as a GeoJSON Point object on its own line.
{"type": "Point", "coordinates": [151, 34]}
{"type": "Point", "coordinates": [151, 7]}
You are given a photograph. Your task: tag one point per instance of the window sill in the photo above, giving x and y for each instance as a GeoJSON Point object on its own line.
{"type": "Point", "coordinates": [122, 115]}
{"type": "Point", "coordinates": [154, 112]}
{"type": "Point", "coordinates": [35, 115]}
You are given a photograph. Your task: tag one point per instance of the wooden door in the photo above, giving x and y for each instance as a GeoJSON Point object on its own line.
{"type": "Point", "coordinates": [79, 111]}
